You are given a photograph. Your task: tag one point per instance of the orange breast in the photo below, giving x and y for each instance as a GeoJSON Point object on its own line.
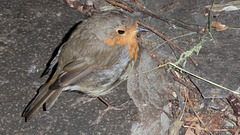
{"type": "Point", "coordinates": [129, 39]}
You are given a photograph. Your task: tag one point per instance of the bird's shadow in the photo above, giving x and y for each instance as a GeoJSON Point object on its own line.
{"type": "Point", "coordinates": [55, 52]}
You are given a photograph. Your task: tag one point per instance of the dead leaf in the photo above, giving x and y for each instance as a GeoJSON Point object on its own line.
{"type": "Point", "coordinates": [191, 119]}
{"type": "Point", "coordinates": [176, 127]}
{"type": "Point", "coordinates": [196, 127]}
{"type": "Point", "coordinates": [219, 26]}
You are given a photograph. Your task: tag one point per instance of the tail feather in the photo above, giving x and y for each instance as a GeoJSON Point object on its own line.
{"type": "Point", "coordinates": [42, 91]}
{"type": "Point", "coordinates": [50, 102]}
{"type": "Point", "coordinates": [43, 96]}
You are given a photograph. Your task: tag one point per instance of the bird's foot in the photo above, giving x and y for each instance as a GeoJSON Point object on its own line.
{"type": "Point", "coordinates": [109, 107]}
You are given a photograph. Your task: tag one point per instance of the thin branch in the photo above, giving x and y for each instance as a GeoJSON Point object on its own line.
{"type": "Point", "coordinates": [120, 5]}
{"type": "Point", "coordinates": [140, 5]}
{"type": "Point", "coordinates": [198, 115]}
{"type": "Point", "coordinates": [167, 39]}
{"type": "Point", "coordinates": [167, 20]}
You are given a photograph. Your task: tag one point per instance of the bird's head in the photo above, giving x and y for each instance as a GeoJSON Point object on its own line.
{"type": "Point", "coordinates": [118, 28]}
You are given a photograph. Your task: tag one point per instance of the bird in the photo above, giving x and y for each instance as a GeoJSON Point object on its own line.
{"type": "Point", "coordinates": [98, 56]}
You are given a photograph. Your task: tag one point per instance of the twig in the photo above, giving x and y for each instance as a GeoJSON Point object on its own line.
{"type": "Point", "coordinates": [120, 5]}
{"type": "Point", "coordinates": [167, 20]}
{"type": "Point", "coordinates": [182, 82]}
{"type": "Point", "coordinates": [197, 115]}
{"type": "Point", "coordinates": [131, 8]}
{"type": "Point", "coordinates": [183, 110]}
{"type": "Point", "coordinates": [183, 70]}
{"type": "Point", "coordinates": [191, 33]}
{"type": "Point", "coordinates": [167, 39]}
{"type": "Point", "coordinates": [140, 5]}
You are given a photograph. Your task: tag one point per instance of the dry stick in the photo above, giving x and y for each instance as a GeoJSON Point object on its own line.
{"type": "Point", "coordinates": [120, 5]}
{"type": "Point", "coordinates": [182, 82]}
{"type": "Point", "coordinates": [194, 128]}
{"type": "Point", "coordinates": [197, 115]}
{"type": "Point", "coordinates": [140, 5]}
{"type": "Point", "coordinates": [183, 111]}
{"type": "Point", "coordinates": [167, 20]}
{"type": "Point", "coordinates": [224, 130]}
{"type": "Point", "coordinates": [133, 8]}
{"type": "Point", "coordinates": [168, 40]}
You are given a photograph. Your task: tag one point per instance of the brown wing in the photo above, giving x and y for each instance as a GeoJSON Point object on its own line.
{"type": "Point", "coordinates": [72, 73]}
{"type": "Point", "coordinates": [83, 53]}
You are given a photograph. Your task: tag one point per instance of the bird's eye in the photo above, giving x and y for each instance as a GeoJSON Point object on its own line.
{"type": "Point", "coordinates": [121, 32]}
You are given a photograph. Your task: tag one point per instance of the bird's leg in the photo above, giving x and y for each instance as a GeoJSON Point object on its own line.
{"type": "Point", "coordinates": [104, 101]}
{"type": "Point", "coordinates": [109, 107]}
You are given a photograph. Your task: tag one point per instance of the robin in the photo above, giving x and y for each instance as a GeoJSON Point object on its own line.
{"type": "Point", "coordinates": [96, 58]}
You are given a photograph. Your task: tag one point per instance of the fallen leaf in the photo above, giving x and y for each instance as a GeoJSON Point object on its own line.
{"type": "Point", "coordinates": [176, 127]}
{"type": "Point", "coordinates": [219, 26]}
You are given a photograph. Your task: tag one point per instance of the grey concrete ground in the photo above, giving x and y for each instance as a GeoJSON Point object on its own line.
{"type": "Point", "coordinates": [31, 30]}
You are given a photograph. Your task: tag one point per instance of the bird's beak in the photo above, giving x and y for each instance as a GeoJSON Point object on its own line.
{"type": "Point", "coordinates": [142, 29]}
